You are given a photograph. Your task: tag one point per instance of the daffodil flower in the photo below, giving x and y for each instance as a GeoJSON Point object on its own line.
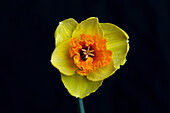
{"type": "Point", "coordinates": [86, 53]}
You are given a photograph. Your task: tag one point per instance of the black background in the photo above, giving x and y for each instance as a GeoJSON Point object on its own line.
{"type": "Point", "coordinates": [30, 84]}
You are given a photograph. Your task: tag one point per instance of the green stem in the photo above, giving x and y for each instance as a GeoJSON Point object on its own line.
{"type": "Point", "coordinates": [80, 106]}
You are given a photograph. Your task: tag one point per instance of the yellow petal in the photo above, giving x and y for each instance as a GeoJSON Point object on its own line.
{"type": "Point", "coordinates": [102, 73]}
{"type": "Point", "coordinates": [64, 30]}
{"type": "Point", "coordinates": [117, 42]}
{"type": "Point", "coordinates": [61, 59]}
{"type": "Point", "coordinates": [79, 86]}
{"type": "Point", "coordinates": [89, 26]}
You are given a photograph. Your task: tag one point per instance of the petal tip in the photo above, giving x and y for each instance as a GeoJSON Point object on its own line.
{"type": "Point", "coordinates": [79, 86]}
{"type": "Point", "coordinates": [102, 73]}
{"type": "Point", "coordinates": [64, 30]}
{"type": "Point", "coordinates": [60, 59]}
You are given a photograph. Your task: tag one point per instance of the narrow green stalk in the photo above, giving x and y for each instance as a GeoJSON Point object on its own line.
{"type": "Point", "coordinates": [80, 106]}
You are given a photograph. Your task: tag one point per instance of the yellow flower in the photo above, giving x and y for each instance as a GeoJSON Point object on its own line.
{"type": "Point", "coordinates": [86, 53]}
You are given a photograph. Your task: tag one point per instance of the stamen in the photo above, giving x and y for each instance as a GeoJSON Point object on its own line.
{"type": "Point", "coordinates": [91, 51]}
{"type": "Point", "coordinates": [88, 48]}
{"type": "Point", "coordinates": [91, 54]}
{"type": "Point", "coordinates": [87, 56]}
{"type": "Point", "coordinates": [86, 53]}
{"type": "Point", "coordinates": [83, 50]}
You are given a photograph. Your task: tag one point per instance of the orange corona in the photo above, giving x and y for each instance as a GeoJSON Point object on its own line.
{"type": "Point", "coordinates": [89, 52]}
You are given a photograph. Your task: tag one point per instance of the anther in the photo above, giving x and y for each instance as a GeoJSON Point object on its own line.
{"type": "Point", "coordinates": [86, 53]}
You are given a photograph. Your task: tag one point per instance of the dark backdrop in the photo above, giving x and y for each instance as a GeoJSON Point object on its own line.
{"type": "Point", "coordinates": [30, 84]}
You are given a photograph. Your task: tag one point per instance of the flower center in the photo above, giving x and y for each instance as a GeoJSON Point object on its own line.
{"type": "Point", "coordinates": [89, 53]}
{"type": "Point", "coordinates": [85, 53]}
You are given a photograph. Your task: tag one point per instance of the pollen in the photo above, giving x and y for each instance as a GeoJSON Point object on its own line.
{"type": "Point", "coordinates": [89, 53]}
